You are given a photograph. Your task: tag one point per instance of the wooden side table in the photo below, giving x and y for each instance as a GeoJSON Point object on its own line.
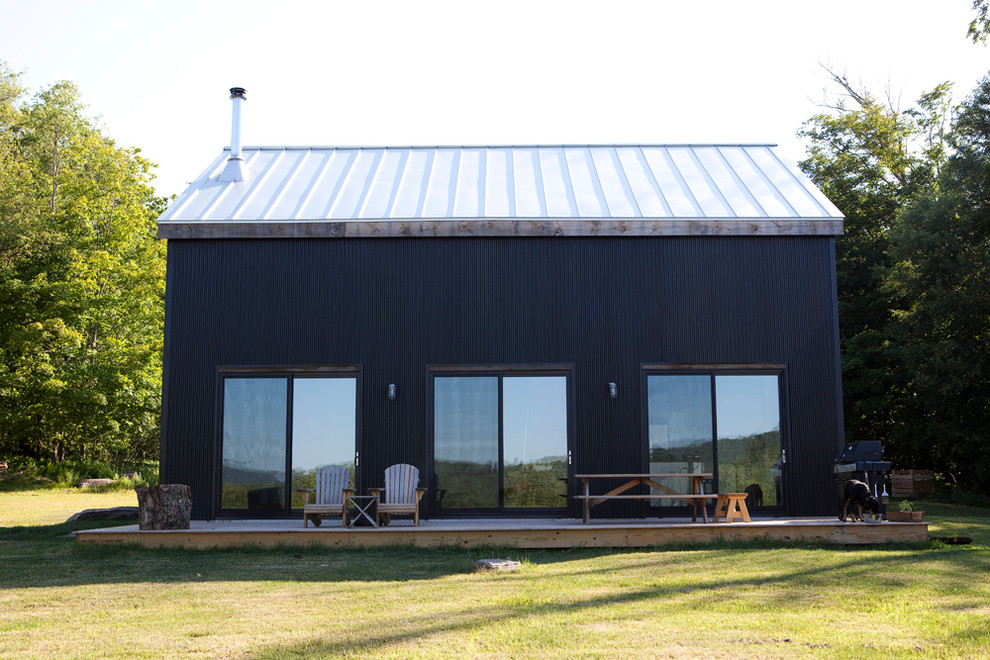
{"type": "Point", "coordinates": [364, 506]}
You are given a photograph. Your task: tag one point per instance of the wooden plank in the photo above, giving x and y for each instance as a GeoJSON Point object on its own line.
{"type": "Point", "coordinates": [323, 508]}
{"type": "Point", "coordinates": [661, 491]}
{"type": "Point", "coordinates": [646, 496]}
{"type": "Point", "coordinates": [485, 227]}
{"type": "Point", "coordinates": [644, 475]}
{"type": "Point", "coordinates": [527, 535]}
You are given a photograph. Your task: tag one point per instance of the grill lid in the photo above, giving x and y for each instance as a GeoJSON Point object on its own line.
{"type": "Point", "coordinates": [864, 450]}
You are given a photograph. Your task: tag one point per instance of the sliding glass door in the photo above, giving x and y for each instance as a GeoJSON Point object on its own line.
{"type": "Point", "coordinates": [324, 429]}
{"type": "Point", "coordinates": [534, 441]}
{"type": "Point", "coordinates": [274, 426]}
{"type": "Point", "coordinates": [750, 454]}
{"type": "Point", "coordinates": [465, 442]}
{"type": "Point", "coordinates": [728, 424]}
{"type": "Point", "coordinates": [680, 429]}
{"type": "Point", "coordinates": [254, 443]}
{"type": "Point", "coordinates": [500, 441]}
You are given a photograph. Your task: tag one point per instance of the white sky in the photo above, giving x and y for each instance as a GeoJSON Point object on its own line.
{"type": "Point", "coordinates": [461, 72]}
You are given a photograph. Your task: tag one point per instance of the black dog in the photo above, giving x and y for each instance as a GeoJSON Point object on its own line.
{"type": "Point", "coordinates": [858, 494]}
{"type": "Point", "coordinates": [754, 495]}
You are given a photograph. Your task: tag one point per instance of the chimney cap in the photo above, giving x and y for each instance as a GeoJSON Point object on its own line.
{"type": "Point", "coordinates": [238, 93]}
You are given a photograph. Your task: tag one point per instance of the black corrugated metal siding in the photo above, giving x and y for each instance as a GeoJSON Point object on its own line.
{"type": "Point", "coordinates": [604, 305]}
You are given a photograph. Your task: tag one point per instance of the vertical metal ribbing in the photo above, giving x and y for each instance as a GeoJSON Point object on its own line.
{"type": "Point", "coordinates": [394, 306]}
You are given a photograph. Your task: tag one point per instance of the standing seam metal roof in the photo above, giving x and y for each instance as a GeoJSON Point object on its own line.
{"type": "Point", "coordinates": [558, 183]}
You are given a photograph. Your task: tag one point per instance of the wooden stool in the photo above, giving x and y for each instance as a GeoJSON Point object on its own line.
{"type": "Point", "coordinates": [730, 506]}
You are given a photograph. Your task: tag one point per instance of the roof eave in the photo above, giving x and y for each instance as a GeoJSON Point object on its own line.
{"type": "Point", "coordinates": [490, 227]}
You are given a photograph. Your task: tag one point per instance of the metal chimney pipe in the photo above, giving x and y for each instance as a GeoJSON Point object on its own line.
{"type": "Point", "coordinates": [237, 95]}
{"type": "Point", "coordinates": [236, 168]}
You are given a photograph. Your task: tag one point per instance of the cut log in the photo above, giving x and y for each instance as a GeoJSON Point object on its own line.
{"type": "Point", "coordinates": [167, 506]}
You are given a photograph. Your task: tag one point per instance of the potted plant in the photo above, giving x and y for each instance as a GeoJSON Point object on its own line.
{"type": "Point", "coordinates": [906, 513]}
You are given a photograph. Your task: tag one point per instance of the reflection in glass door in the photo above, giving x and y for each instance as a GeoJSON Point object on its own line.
{"type": "Point", "coordinates": [680, 429]}
{"type": "Point", "coordinates": [748, 413]}
{"type": "Point", "coordinates": [274, 423]}
{"type": "Point", "coordinates": [324, 429]}
{"type": "Point", "coordinates": [465, 442]}
{"type": "Point", "coordinates": [741, 442]}
{"type": "Point", "coordinates": [499, 441]}
{"type": "Point", "coordinates": [254, 435]}
{"type": "Point", "coordinates": [534, 440]}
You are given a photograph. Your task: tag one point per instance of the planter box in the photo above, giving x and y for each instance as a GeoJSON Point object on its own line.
{"type": "Point", "coordinates": [905, 516]}
{"type": "Point", "coordinates": [910, 483]}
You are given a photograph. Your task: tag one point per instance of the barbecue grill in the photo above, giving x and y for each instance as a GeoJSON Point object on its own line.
{"type": "Point", "coordinates": [864, 462]}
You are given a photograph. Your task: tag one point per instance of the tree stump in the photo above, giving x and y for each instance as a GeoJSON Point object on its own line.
{"type": "Point", "coordinates": [167, 506]}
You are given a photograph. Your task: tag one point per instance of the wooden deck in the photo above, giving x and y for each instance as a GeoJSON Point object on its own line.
{"type": "Point", "coordinates": [521, 533]}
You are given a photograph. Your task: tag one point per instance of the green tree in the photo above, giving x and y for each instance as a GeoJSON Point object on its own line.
{"type": "Point", "coordinates": [913, 273]}
{"type": "Point", "coordinates": [940, 334]}
{"type": "Point", "coordinates": [872, 159]}
{"type": "Point", "coordinates": [979, 27]}
{"type": "Point", "coordinates": [81, 284]}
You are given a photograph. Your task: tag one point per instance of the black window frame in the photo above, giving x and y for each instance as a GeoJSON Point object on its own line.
{"type": "Point", "coordinates": [713, 370]}
{"type": "Point", "coordinates": [502, 370]}
{"type": "Point", "coordinates": [290, 373]}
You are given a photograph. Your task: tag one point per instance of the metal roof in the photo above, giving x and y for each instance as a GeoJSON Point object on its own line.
{"type": "Point", "coordinates": [567, 189]}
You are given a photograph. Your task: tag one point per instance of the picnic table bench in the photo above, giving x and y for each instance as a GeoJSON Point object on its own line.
{"type": "Point", "coordinates": [695, 499]}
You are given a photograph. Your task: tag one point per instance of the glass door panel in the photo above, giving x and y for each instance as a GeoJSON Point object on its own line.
{"type": "Point", "coordinates": [465, 450]}
{"type": "Point", "coordinates": [254, 442]}
{"type": "Point", "coordinates": [324, 428]}
{"type": "Point", "coordinates": [680, 428]}
{"type": "Point", "coordinates": [749, 442]}
{"type": "Point", "coordinates": [534, 436]}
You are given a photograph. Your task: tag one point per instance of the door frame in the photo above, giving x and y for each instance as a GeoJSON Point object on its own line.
{"type": "Point", "coordinates": [724, 369]}
{"type": "Point", "coordinates": [500, 370]}
{"type": "Point", "coordinates": [290, 373]}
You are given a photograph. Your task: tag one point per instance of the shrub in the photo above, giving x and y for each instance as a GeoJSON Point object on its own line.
{"type": "Point", "coordinates": [69, 473]}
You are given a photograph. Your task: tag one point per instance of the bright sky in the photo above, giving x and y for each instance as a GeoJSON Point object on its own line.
{"type": "Point", "coordinates": [460, 72]}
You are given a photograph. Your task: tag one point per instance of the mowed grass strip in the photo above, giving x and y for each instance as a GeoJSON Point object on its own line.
{"type": "Point", "coordinates": [734, 601]}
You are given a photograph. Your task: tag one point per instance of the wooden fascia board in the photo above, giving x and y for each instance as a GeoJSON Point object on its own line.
{"type": "Point", "coordinates": [486, 227]}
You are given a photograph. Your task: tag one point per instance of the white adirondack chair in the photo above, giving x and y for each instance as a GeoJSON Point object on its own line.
{"type": "Point", "coordinates": [331, 494]}
{"type": "Point", "coordinates": [402, 494]}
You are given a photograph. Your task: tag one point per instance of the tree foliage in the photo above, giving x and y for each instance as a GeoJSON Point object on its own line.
{"type": "Point", "coordinates": [979, 27]}
{"type": "Point", "coordinates": [913, 272]}
{"type": "Point", "coordinates": [941, 330]}
{"type": "Point", "coordinates": [871, 159]}
{"type": "Point", "coordinates": [81, 284]}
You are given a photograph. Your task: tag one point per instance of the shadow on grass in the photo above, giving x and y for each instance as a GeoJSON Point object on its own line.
{"type": "Point", "coordinates": [59, 531]}
{"type": "Point", "coordinates": [789, 588]}
{"type": "Point", "coordinates": [48, 556]}
{"type": "Point", "coordinates": [14, 484]}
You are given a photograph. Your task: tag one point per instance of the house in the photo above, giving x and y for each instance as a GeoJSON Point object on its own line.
{"type": "Point", "coordinates": [503, 318]}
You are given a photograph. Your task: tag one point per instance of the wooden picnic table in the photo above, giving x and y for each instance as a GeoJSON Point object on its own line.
{"type": "Point", "coordinates": [695, 499]}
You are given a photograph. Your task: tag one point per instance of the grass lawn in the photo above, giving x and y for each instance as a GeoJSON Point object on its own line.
{"type": "Point", "coordinates": [51, 507]}
{"type": "Point", "coordinates": [761, 600]}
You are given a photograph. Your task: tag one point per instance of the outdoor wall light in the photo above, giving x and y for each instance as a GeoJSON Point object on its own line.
{"type": "Point", "coordinates": [613, 390]}
{"type": "Point", "coordinates": [391, 392]}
